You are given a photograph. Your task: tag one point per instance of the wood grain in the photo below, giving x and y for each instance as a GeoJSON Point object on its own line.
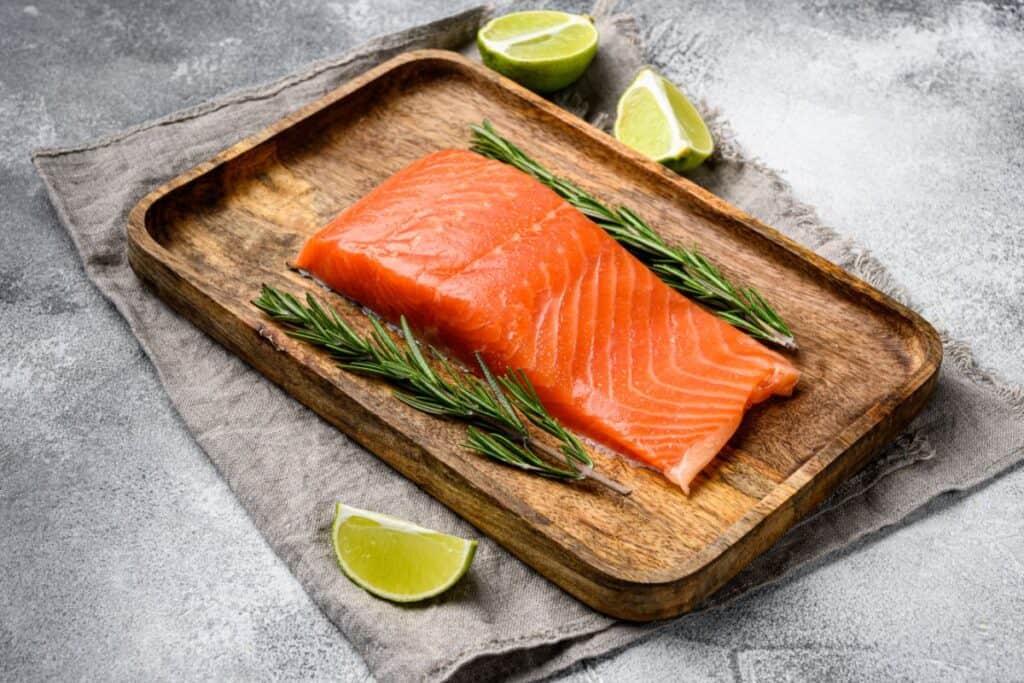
{"type": "Point", "coordinates": [207, 240]}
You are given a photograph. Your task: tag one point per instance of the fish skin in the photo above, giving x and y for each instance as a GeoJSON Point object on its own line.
{"type": "Point", "coordinates": [480, 257]}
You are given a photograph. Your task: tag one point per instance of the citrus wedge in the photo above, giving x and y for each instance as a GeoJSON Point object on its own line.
{"type": "Point", "coordinates": [395, 559]}
{"type": "Point", "coordinates": [656, 119]}
{"type": "Point", "coordinates": [542, 50]}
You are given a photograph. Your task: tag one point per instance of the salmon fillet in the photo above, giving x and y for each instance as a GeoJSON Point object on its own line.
{"type": "Point", "coordinates": [480, 257]}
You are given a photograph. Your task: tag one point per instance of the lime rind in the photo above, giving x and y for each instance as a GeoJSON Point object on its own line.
{"type": "Point", "coordinates": [343, 514]}
{"type": "Point", "coordinates": [689, 119]}
{"type": "Point", "coordinates": [686, 139]}
{"type": "Point", "coordinates": [542, 50]}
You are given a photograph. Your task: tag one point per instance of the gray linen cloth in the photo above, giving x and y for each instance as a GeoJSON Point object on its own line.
{"type": "Point", "coordinates": [287, 466]}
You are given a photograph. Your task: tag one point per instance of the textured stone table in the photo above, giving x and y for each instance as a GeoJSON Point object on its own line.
{"type": "Point", "coordinates": [124, 556]}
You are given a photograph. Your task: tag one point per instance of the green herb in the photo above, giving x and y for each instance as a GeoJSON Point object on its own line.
{"type": "Point", "coordinates": [492, 407]}
{"type": "Point", "coordinates": [685, 270]}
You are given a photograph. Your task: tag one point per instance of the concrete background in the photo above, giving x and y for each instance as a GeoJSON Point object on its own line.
{"type": "Point", "coordinates": [124, 556]}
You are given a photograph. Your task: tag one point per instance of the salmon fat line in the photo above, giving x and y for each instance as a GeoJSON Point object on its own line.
{"type": "Point", "coordinates": [497, 409]}
{"type": "Point", "coordinates": [684, 270]}
{"type": "Point", "coordinates": [503, 413]}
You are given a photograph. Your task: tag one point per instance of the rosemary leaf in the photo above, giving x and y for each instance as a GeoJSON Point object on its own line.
{"type": "Point", "coordinates": [491, 407]}
{"type": "Point", "coordinates": [685, 270]}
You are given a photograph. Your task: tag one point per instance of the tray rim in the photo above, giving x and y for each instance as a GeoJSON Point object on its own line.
{"type": "Point", "coordinates": [785, 497]}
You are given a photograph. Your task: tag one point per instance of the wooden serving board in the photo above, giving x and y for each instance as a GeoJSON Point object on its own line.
{"type": "Point", "coordinates": [207, 240]}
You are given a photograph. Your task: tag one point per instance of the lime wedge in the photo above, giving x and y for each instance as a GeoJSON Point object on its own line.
{"type": "Point", "coordinates": [657, 120]}
{"type": "Point", "coordinates": [395, 559]}
{"type": "Point", "coordinates": [545, 51]}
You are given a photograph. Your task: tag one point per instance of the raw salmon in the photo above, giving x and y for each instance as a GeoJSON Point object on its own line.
{"type": "Point", "coordinates": [479, 256]}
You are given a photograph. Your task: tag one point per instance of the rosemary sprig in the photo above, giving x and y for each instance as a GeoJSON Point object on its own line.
{"type": "Point", "coordinates": [685, 270]}
{"type": "Point", "coordinates": [492, 407]}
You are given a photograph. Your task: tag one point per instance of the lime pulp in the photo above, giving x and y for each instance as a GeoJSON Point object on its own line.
{"type": "Point", "coordinates": [542, 50]}
{"type": "Point", "coordinates": [395, 559]}
{"type": "Point", "coordinates": [655, 118]}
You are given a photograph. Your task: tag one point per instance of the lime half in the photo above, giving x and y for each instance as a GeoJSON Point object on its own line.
{"type": "Point", "coordinates": [395, 559]}
{"type": "Point", "coordinates": [657, 120]}
{"type": "Point", "coordinates": [545, 51]}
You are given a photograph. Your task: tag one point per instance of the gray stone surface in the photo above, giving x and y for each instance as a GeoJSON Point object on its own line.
{"type": "Point", "coordinates": [124, 556]}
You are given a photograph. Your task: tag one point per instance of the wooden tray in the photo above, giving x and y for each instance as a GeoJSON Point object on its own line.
{"type": "Point", "coordinates": [208, 239]}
